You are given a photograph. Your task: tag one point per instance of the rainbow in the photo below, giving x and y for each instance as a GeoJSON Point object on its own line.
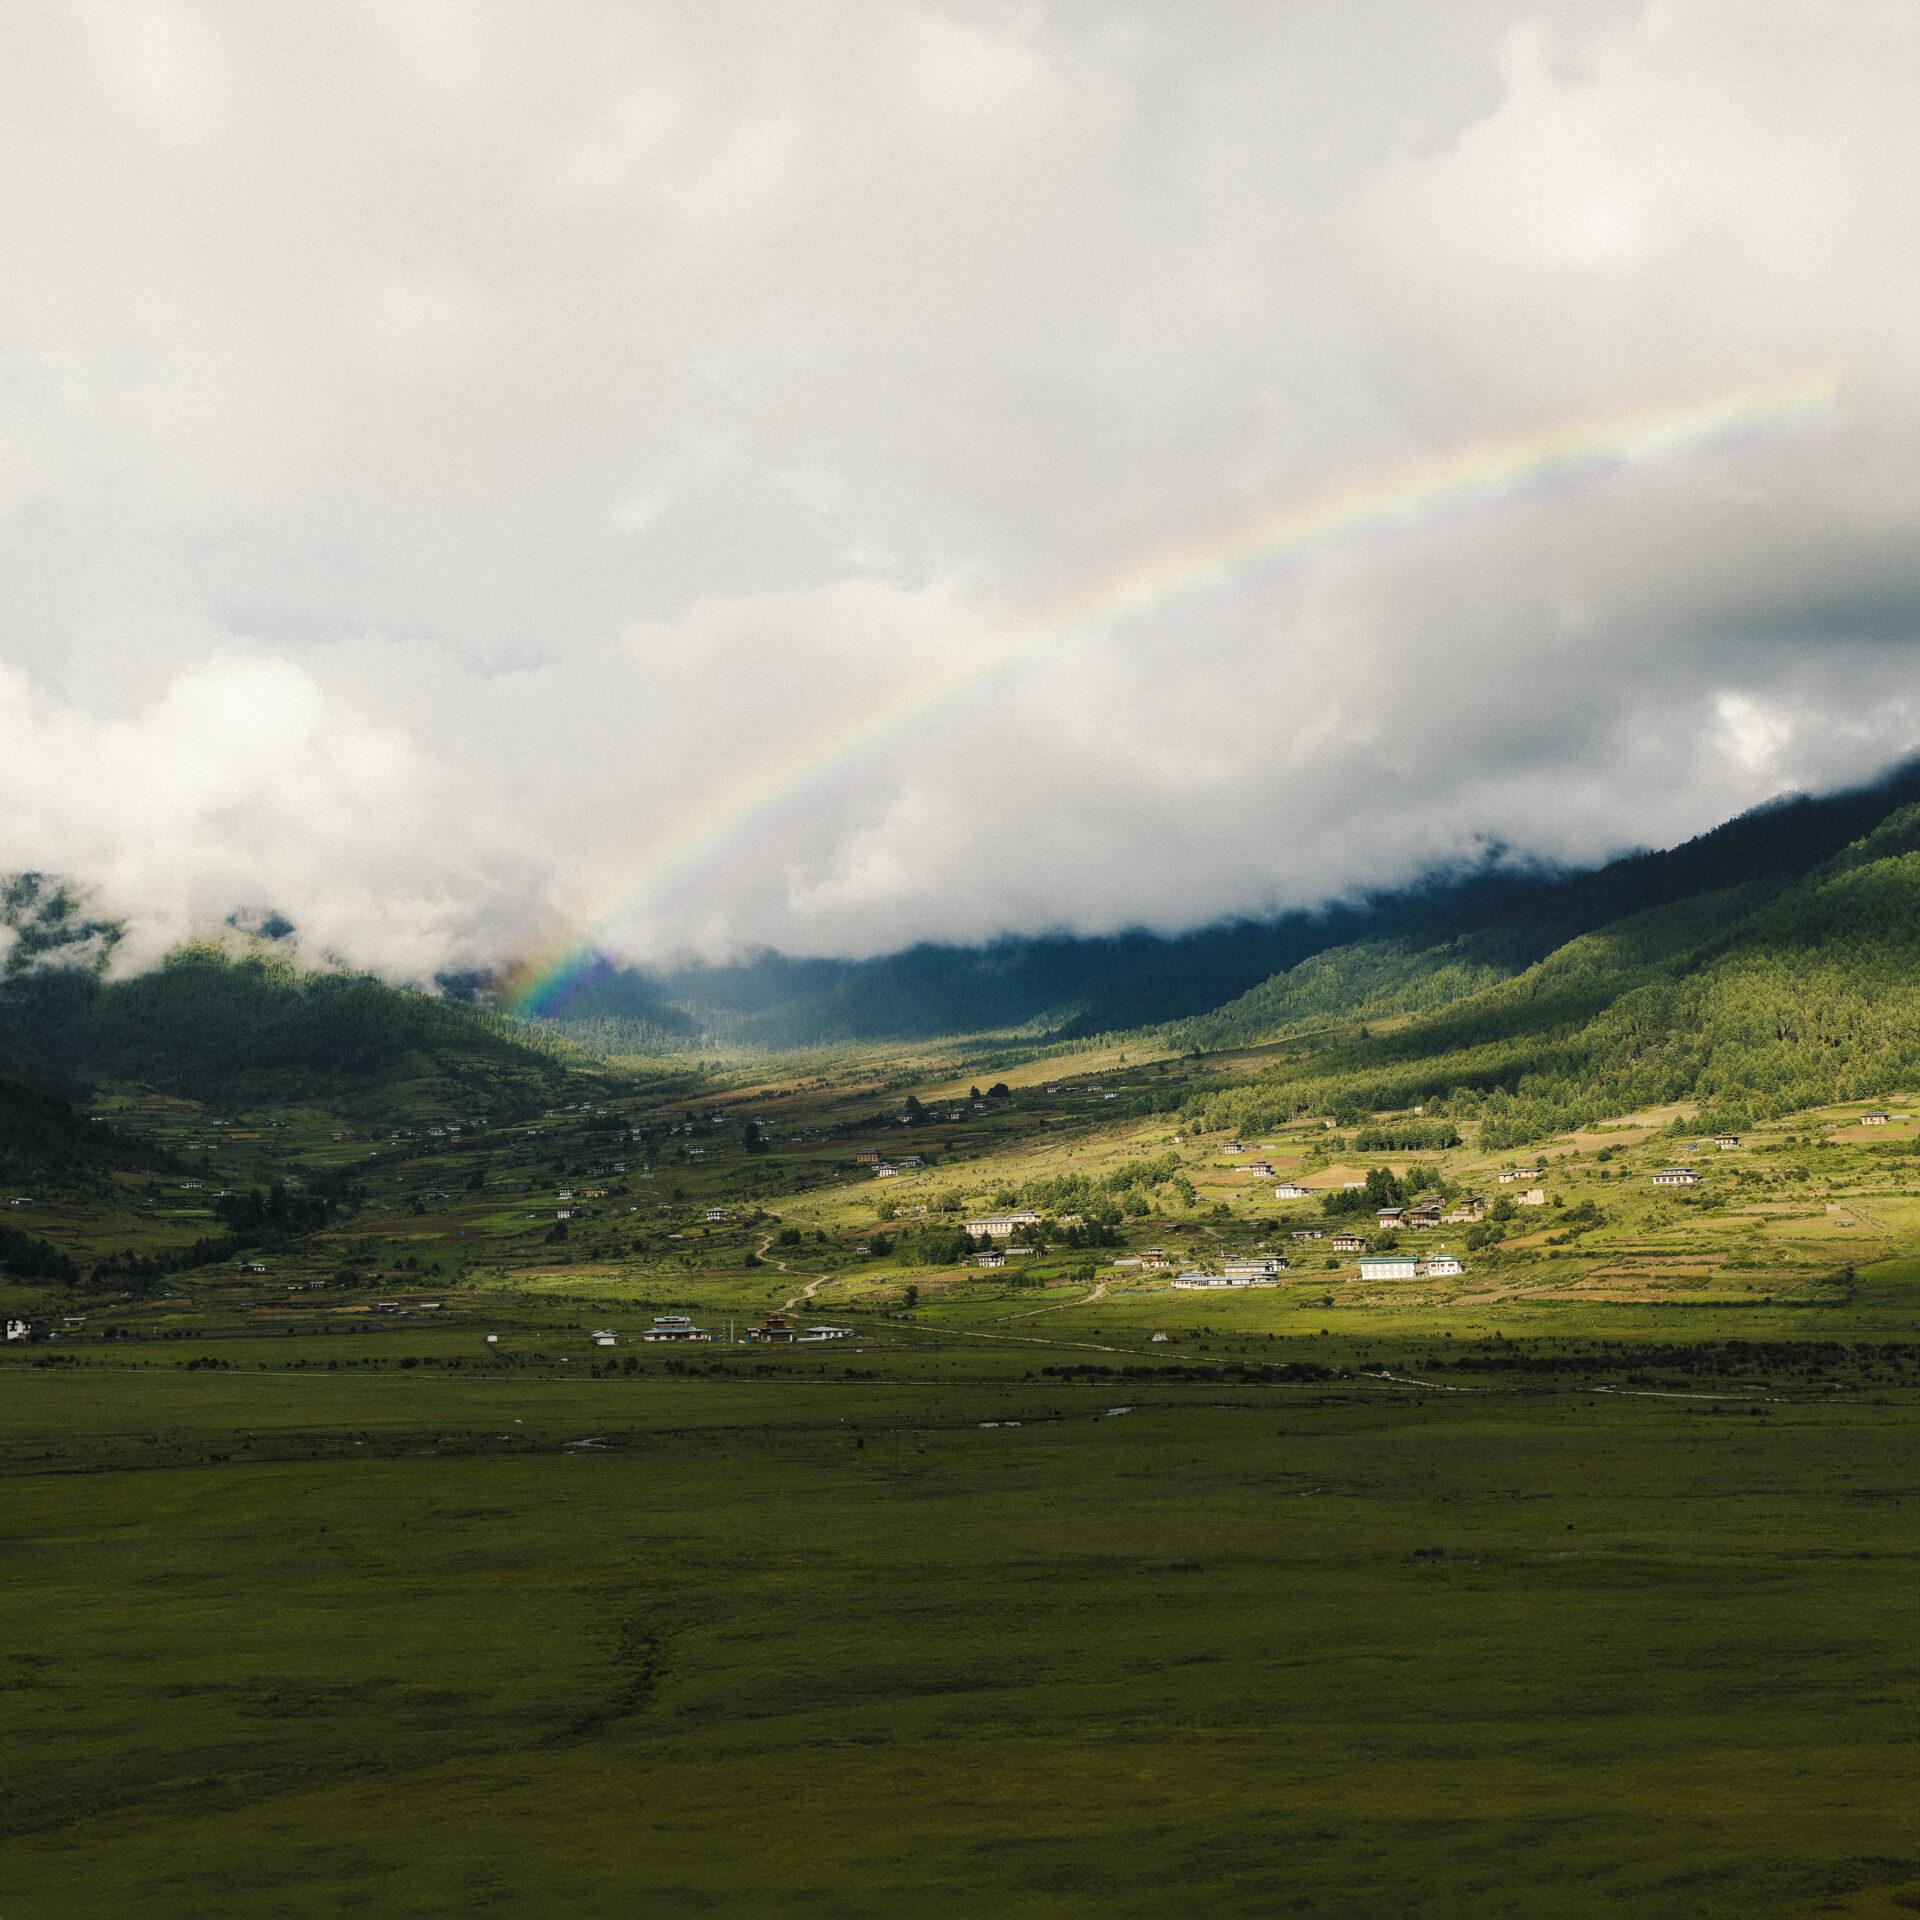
{"type": "Point", "coordinates": [1408, 494]}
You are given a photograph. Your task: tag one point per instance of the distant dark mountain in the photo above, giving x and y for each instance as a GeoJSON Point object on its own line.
{"type": "Point", "coordinates": [1504, 918]}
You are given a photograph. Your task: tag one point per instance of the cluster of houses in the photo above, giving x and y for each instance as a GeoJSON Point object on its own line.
{"type": "Point", "coordinates": [883, 1168]}
{"type": "Point", "coordinates": [775, 1330]}
{"type": "Point", "coordinates": [1261, 1270]}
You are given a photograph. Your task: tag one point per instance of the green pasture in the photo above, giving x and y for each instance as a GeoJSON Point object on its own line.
{"type": "Point", "coordinates": [283, 1643]}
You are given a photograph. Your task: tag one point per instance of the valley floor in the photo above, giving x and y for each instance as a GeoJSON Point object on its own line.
{"type": "Point", "coordinates": [298, 1644]}
{"type": "Point", "coordinates": [1580, 1583]}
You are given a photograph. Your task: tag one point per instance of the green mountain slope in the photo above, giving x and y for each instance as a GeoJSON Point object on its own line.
{"type": "Point", "coordinates": [209, 1024]}
{"type": "Point", "coordinates": [1754, 1000]}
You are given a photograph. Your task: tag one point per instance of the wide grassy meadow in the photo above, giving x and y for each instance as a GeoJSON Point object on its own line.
{"type": "Point", "coordinates": [1580, 1582]}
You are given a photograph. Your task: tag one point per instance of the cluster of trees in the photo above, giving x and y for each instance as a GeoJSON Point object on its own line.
{"type": "Point", "coordinates": [1407, 1136]}
{"type": "Point", "coordinates": [1381, 1188]}
{"type": "Point", "coordinates": [27, 1257]}
{"type": "Point", "coordinates": [279, 1213]}
{"type": "Point", "coordinates": [140, 1268]}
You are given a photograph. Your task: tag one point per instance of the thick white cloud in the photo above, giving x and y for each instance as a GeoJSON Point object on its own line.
{"type": "Point", "coordinates": [444, 447]}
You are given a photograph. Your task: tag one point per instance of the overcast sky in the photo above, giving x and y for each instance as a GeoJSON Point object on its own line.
{"type": "Point", "coordinates": [443, 445]}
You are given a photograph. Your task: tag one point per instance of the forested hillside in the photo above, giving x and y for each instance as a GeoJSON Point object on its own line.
{"type": "Point", "coordinates": [206, 1022]}
{"type": "Point", "coordinates": [1755, 1000]}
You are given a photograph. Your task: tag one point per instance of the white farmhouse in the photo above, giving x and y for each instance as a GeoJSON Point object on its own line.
{"type": "Point", "coordinates": [1389, 1267]}
{"type": "Point", "coordinates": [1291, 1190]}
{"type": "Point", "coordinates": [1676, 1177]}
{"type": "Point", "coordinates": [1002, 1226]}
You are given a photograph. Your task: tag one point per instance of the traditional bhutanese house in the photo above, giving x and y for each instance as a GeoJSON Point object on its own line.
{"type": "Point", "coordinates": [1391, 1216]}
{"type": "Point", "coordinates": [605, 1337]}
{"type": "Point", "coordinates": [826, 1333]}
{"type": "Point", "coordinates": [1291, 1190]}
{"type": "Point", "coordinates": [1533, 1197]}
{"type": "Point", "coordinates": [1349, 1243]}
{"type": "Point", "coordinates": [674, 1326]}
{"type": "Point", "coordinates": [1265, 1268]}
{"type": "Point", "coordinates": [1873, 1119]}
{"type": "Point", "coordinates": [867, 1159]}
{"type": "Point", "coordinates": [990, 1258]}
{"type": "Point", "coordinates": [1309, 1233]}
{"type": "Point", "coordinates": [774, 1330]}
{"type": "Point", "coordinates": [1676, 1177]}
{"type": "Point", "coordinates": [1469, 1207]}
{"type": "Point", "coordinates": [1726, 1142]}
{"type": "Point", "coordinates": [1425, 1216]}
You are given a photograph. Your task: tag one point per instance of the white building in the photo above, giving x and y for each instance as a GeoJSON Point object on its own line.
{"type": "Point", "coordinates": [1533, 1197]}
{"type": "Point", "coordinates": [1291, 1190]}
{"type": "Point", "coordinates": [1441, 1263]}
{"type": "Point", "coordinates": [1002, 1226]}
{"type": "Point", "coordinates": [1389, 1267]}
{"type": "Point", "coordinates": [1676, 1177]}
{"type": "Point", "coordinates": [18, 1329]}
{"type": "Point", "coordinates": [674, 1326]}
